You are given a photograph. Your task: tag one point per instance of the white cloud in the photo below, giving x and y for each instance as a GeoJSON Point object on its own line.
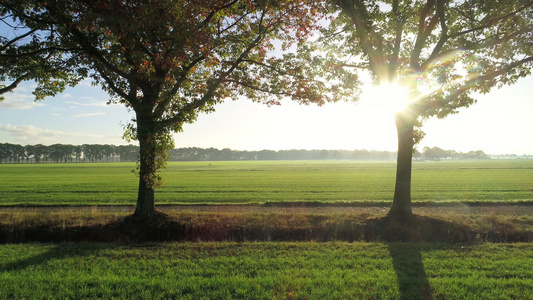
{"type": "Point", "coordinates": [89, 102]}
{"type": "Point", "coordinates": [26, 87]}
{"type": "Point", "coordinates": [31, 135]}
{"type": "Point", "coordinates": [67, 95]}
{"type": "Point", "coordinates": [27, 130]}
{"type": "Point", "coordinates": [18, 101]}
{"type": "Point", "coordinates": [89, 115]}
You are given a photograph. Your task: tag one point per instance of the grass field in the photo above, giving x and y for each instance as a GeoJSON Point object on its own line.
{"type": "Point", "coordinates": [267, 181]}
{"type": "Point", "coordinates": [266, 271]}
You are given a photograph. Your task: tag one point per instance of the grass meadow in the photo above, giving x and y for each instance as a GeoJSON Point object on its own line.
{"type": "Point", "coordinates": [226, 269]}
{"type": "Point", "coordinates": [258, 182]}
{"type": "Point", "coordinates": [266, 271]}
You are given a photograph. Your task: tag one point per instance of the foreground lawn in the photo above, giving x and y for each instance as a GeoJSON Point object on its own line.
{"type": "Point", "coordinates": [268, 181]}
{"type": "Point", "coordinates": [266, 271]}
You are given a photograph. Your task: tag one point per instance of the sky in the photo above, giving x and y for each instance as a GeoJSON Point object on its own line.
{"type": "Point", "coordinates": [501, 122]}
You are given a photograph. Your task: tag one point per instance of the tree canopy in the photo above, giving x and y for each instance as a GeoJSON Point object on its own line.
{"type": "Point", "coordinates": [30, 51]}
{"type": "Point", "coordinates": [441, 51]}
{"type": "Point", "coordinates": [168, 60]}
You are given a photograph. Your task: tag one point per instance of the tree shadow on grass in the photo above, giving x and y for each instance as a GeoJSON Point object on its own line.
{"type": "Point", "coordinates": [124, 230]}
{"type": "Point", "coordinates": [88, 239]}
{"type": "Point", "coordinates": [404, 240]}
{"type": "Point", "coordinates": [55, 252]}
{"type": "Point", "coordinates": [419, 229]}
{"type": "Point", "coordinates": [412, 279]}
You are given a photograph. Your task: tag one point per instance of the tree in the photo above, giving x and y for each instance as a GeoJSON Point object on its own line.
{"type": "Point", "coordinates": [266, 155]}
{"type": "Point", "coordinates": [452, 154]}
{"type": "Point", "coordinates": [5, 152]}
{"type": "Point", "coordinates": [29, 50]}
{"type": "Point", "coordinates": [40, 151]}
{"type": "Point", "coordinates": [476, 155]}
{"type": "Point", "coordinates": [416, 154]}
{"type": "Point", "coordinates": [434, 153]}
{"type": "Point", "coordinates": [128, 152]}
{"type": "Point", "coordinates": [170, 60]}
{"type": "Point", "coordinates": [18, 153]}
{"type": "Point", "coordinates": [61, 153]}
{"type": "Point", "coordinates": [78, 151]}
{"type": "Point", "coordinates": [441, 51]}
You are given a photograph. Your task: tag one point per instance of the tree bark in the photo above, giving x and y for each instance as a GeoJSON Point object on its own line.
{"type": "Point", "coordinates": [401, 204]}
{"type": "Point", "coordinates": [145, 207]}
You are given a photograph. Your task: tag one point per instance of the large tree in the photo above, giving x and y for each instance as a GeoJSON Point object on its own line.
{"type": "Point", "coordinates": [169, 60]}
{"type": "Point", "coordinates": [441, 51]}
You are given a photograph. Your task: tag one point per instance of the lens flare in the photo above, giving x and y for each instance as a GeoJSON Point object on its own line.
{"type": "Point", "coordinates": [386, 98]}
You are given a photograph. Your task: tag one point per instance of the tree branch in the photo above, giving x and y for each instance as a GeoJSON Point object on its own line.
{"type": "Point", "coordinates": [363, 30]}
{"type": "Point", "coordinates": [423, 33]}
{"type": "Point", "coordinates": [443, 36]}
{"type": "Point", "coordinates": [490, 23]}
{"type": "Point", "coordinates": [14, 84]}
{"type": "Point", "coordinates": [191, 106]}
{"type": "Point", "coordinates": [18, 38]}
{"type": "Point", "coordinates": [477, 80]}
{"type": "Point", "coordinates": [221, 31]}
{"type": "Point", "coordinates": [161, 107]}
{"type": "Point", "coordinates": [250, 86]}
{"type": "Point", "coordinates": [217, 9]}
{"type": "Point", "coordinates": [111, 84]}
{"type": "Point", "coordinates": [495, 40]}
{"type": "Point", "coordinates": [281, 72]}
{"type": "Point", "coordinates": [39, 51]}
{"type": "Point", "coordinates": [362, 67]}
{"type": "Point", "coordinates": [394, 60]}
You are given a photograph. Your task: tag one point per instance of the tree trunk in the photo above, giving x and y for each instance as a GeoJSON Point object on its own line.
{"type": "Point", "coordinates": [401, 204]}
{"type": "Point", "coordinates": [145, 201]}
{"type": "Point", "coordinates": [145, 207]}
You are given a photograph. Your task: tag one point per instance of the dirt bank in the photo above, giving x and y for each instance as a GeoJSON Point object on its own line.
{"type": "Point", "coordinates": [507, 210]}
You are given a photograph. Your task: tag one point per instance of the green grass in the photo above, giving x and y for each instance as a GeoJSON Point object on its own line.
{"type": "Point", "coordinates": [263, 270]}
{"type": "Point", "coordinates": [266, 271]}
{"type": "Point", "coordinates": [267, 181]}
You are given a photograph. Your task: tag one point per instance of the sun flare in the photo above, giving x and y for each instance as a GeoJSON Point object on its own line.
{"type": "Point", "coordinates": [376, 110]}
{"type": "Point", "coordinates": [386, 99]}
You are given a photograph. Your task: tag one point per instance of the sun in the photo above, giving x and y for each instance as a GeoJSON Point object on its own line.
{"type": "Point", "coordinates": [376, 110]}
{"type": "Point", "coordinates": [385, 99]}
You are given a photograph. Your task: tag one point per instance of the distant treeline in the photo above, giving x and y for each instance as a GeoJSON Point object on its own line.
{"type": "Point", "coordinates": [437, 153]}
{"type": "Point", "coordinates": [11, 153]}
{"type": "Point", "coordinates": [57, 153]}
{"type": "Point", "coordinates": [213, 154]}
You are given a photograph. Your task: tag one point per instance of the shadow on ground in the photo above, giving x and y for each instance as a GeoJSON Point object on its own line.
{"type": "Point", "coordinates": [59, 251]}
{"type": "Point", "coordinates": [412, 279]}
{"type": "Point", "coordinates": [406, 258]}
{"type": "Point", "coordinates": [259, 227]}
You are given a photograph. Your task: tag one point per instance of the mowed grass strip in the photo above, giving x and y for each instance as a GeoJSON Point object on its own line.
{"type": "Point", "coordinates": [266, 271]}
{"type": "Point", "coordinates": [258, 182]}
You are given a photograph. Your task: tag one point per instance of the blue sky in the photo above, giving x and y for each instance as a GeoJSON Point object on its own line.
{"type": "Point", "coordinates": [499, 123]}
